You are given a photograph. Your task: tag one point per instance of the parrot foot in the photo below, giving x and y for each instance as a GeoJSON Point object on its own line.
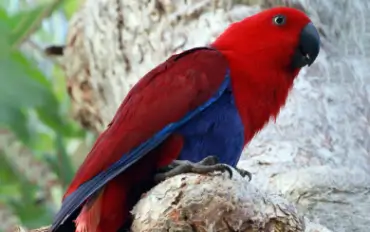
{"type": "Point", "coordinates": [207, 165]}
{"type": "Point", "coordinates": [209, 160]}
{"type": "Point", "coordinates": [244, 173]}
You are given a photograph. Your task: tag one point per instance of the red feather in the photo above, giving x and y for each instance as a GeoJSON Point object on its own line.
{"type": "Point", "coordinates": [164, 95]}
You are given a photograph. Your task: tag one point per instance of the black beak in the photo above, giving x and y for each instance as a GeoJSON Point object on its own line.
{"type": "Point", "coordinates": [308, 48]}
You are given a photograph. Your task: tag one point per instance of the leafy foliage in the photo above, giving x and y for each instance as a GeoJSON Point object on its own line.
{"type": "Point", "coordinates": [36, 132]}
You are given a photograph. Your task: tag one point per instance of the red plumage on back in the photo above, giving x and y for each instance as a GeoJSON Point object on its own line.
{"type": "Point", "coordinates": [183, 83]}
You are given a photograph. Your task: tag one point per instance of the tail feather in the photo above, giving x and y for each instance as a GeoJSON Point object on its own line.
{"type": "Point", "coordinates": [89, 217]}
{"type": "Point", "coordinates": [108, 211]}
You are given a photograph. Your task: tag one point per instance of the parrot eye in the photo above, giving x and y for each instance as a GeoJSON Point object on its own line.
{"type": "Point", "coordinates": [279, 20]}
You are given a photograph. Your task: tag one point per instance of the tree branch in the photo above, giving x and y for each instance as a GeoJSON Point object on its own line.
{"type": "Point", "coordinates": [192, 202]}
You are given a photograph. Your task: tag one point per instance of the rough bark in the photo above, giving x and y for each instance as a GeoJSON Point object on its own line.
{"type": "Point", "coordinates": [191, 202]}
{"type": "Point", "coordinates": [316, 156]}
{"type": "Point", "coordinates": [194, 202]}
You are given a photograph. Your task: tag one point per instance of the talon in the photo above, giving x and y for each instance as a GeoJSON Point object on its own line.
{"type": "Point", "coordinates": [211, 168]}
{"type": "Point", "coordinates": [244, 173]}
{"type": "Point", "coordinates": [227, 169]}
{"type": "Point", "coordinates": [207, 165]}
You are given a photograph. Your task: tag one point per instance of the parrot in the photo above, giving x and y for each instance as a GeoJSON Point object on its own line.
{"type": "Point", "coordinates": [195, 112]}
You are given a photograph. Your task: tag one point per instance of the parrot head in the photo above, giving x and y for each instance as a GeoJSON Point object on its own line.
{"type": "Point", "coordinates": [265, 53]}
{"type": "Point", "coordinates": [277, 38]}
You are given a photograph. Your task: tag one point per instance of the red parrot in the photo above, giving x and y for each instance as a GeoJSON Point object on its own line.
{"type": "Point", "coordinates": [195, 112]}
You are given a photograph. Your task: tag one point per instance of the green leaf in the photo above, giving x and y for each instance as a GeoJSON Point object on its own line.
{"type": "Point", "coordinates": [18, 92]}
{"type": "Point", "coordinates": [61, 163]}
{"type": "Point", "coordinates": [16, 120]}
{"type": "Point", "coordinates": [17, 88]}
{"type": "Point", "coordinates": [5, 29]}
{"type": "Point", "coordinates": [70, 7]}
{"type": "Point", "coordinates": [45, 143]}
{"type": "Point", "coordinates": [24, 86]}
{"type": "Point", "coordinates": [24, 22]}
{"type": "Point", "coordinates": [21, 195]}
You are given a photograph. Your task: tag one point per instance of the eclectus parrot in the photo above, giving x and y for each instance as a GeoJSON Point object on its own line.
{"type": "Point", "coordinates": [195, 112]}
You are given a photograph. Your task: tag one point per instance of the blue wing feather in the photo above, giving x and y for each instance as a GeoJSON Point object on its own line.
{"type": "Point", "coordinates": [74, 200]}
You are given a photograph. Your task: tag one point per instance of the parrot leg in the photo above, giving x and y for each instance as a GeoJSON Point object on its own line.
{"type": "Point", "coordinates": [244, 173]}
{"type": "Point", "coordinates": [207, 165]}
{"type": "Point", "coordinates": [209, 160]}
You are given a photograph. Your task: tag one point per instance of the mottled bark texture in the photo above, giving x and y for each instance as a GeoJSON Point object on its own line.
{"type": "Point", "coordinates": [193, 202]}
{"type": "Point", "coordinates": [316, 156]}
{"type": "Point", "coordinates": [201, 203]}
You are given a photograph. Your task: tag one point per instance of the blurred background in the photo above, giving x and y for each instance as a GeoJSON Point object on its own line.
{"type": "Point", "coordinates": [38, 138]}
{"type": "Point", "coordinates": [317, 155]}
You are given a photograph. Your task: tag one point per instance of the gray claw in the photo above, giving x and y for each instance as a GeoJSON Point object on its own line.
{"type": "Point", "coordinates": [207, 165]}
{"type": "Point", "coordinates": [244, 173]}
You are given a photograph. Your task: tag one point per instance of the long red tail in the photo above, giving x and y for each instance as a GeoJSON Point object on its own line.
{"type": "Point", "coordinates": [111, 209]}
